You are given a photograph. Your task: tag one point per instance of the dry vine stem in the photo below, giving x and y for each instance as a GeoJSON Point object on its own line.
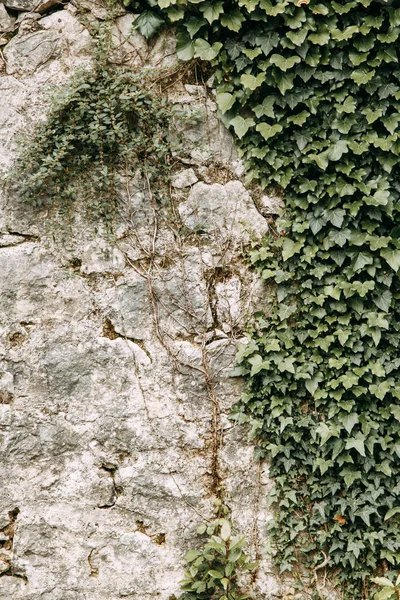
{"type": "Point", "coordinates": [324, 563]}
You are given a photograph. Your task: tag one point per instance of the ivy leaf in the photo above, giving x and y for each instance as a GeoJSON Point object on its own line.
{"type": "Point", "coordinates": [193, 25]}
{"type": "Point", "coordinates": [166, 3]}
{"type": "Point", "coordinates": [357, 444]}
{"type": "Point", "coordinates": [390, 513]}
{"type": "Point", "coordinates": [361, 260]}
{"type": "Point", "coordinates": [250, 82]}
{"type": "Point", "coordinates": [272, 10]}
{"type": "Point", "coordinates": [184, 47]}
{"type": "Point", "coordinates": [362, 77]}
{"type": "Point", "coordinates": [395, 410]}
{"type": "Point", "coordinates": [349, 421]}
{"type": "Point", "coordinates": [266, 108]}
{"type": "Point", "coordinates": [340, 237]}
{"type": "Point", "coordinates": [297, 37]}
{"type": "Point", "coordinates": [350, 476]}
{"type": "Point", "coordinates": [384, 468]}
{"type": "Point", "coordinates": [337, 150]}
{"type": "Point", "coordinates": [268, 131]}
{"type": "Point", "coordinates": [284, 63]}
{"type": "Point", "coordinates": [234, 48]}
{"type": "Point", "coordinates": [241, 125]}
{"type": "Point", "coordinates": [284, 81]}
{"type": "Point", "coordinates": [392, 257]}
{"type": "Point", "coordinates": [233, 20]}
{"type": "Point", "coordinates": [285, 311]}
{"type": "Point", "coordinates": [290, 248]}
{"type": "Point", "coordinates": [312, 385]}
{"type": "Point", "coordinates": [148, 23]}
{"type": "Point", "coordinates": [203, 50]}
{"type": "Point", "coordinates": [384, 300]}
{"type": "Point", "coordinates": [225, 101]}
{"type": "Point", "coordinates": [267, 41]}
{"type": "Point", "coordinates": [212, 10]}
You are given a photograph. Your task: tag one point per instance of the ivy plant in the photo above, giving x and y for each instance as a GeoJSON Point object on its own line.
{"type": "Point", "coordinates": [106, 122]}
{"type": "Point", "coordinates": [389, 590]}
{"type": "Point", "coordinates": [311, 89]}
{"type": "Point", "coordinates": [213, 571]}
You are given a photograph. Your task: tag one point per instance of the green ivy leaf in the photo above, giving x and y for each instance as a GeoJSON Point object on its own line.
{"type": "Point", "coordinates": [212, 10]}
{"type": "Point", "coordinates": [203, 50]}
{"type": "Point", "coordinates": [252, 83]}
{"type": "Point", "coordinates": [233, 20]}
{"type": "Point", "coordinates": [225, 101]}
{"type": "Point", "coordinates": [184, 47]}
{"type": "Point", "coordinates": [392, 257]}
{"type": "Point", "coordinates": [148, 23]}
{"type": "Point", "coordinates": [268, 131]}
{"type": "Point", "coordinates": [241, 125]}
{"type": "Point", "coordinates": [284, 63]}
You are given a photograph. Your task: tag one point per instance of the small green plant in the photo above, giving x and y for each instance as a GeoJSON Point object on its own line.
{"type": "Point", "coordinates": [105, 123]}
{"type": "Point", "coordinates": [214, 570]}
{"type": "Point", "coordinates": [389, 590]}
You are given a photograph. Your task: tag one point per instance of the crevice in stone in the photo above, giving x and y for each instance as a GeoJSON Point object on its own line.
{"type": "Point", "coordinates": [7, 544]}
{"type": "Point", "coordinates": [94, 571]}
{"type": "Point", "coordinates": [16, 339]}
{"type": "Point", "coordinates": [13, 238]}
{"type": "Point", "coordinates": [214, 276]}
{"type": "Point", "coordinates": [111, 469]}
{"type": "Point", "coordinates": [157, 538]}
{"type": "Point", "coordinates": [111, 333]}
{"type": "Point", "coordinates": [74, 263]}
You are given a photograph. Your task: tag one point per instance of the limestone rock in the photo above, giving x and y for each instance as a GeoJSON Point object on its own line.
{"type": "Point", "coordinates": [7, 21]}
{"type": "Point", "coordinates": [102, 258]}
{"type": "Point", "coordinates": [6, 387]}
{"type": "Point", "coordinates": [26, 53]}
{"type": "Point", "coordinates": [129, 44]}
{"type": "Point", "coordinates": [184, 179]}
{"type": "Point", "coordinates": [271, 205]}
{"type": "Point", "coordinates": [222, 208]}
{"type": "Point", "coordinates": [39, 6]}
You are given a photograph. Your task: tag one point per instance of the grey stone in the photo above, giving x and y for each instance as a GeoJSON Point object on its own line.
{"type": "Point", "coordinates": [26, 16]}
{"type": "Point", "coordinates": [6, 387]}
{"type": "Point", "coordinates": [129, 45]}
{"type": "Point", "coordinates": [271, 205]}
{"type": "Point", "coordinates": [219, 209]}
{"type": "Point", "coordinates": [26, 53]}
{"type": "Point", "coordinates": [102, 258]}
{"type": "Point", "coordinates": [184, 179]}
{"type": "Point", "coordinates": [196, 90]}
{"type": "Point", "coordinates": [39, 6]}
{"type": "Point", "coordinates": [7, 22]}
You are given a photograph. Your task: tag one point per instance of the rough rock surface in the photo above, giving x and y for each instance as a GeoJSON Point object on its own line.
{"type": "Point", "coordinates": [30, 5]}
{"type": "Point", "coordinates": [114, 355]}
{"type": "Point", "coordinates": [6, 20]}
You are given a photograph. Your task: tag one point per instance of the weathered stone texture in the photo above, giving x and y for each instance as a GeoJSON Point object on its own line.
{"type": "Point", "coordinates": [112, 355]}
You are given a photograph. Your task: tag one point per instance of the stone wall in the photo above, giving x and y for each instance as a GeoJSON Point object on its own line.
{"type": "Point", "coordinates": [116, 357]}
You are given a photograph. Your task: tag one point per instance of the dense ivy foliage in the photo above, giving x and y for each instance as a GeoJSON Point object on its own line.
{"type": "Point", "coordinates": [312, 90]}
{"type": "Point", "coordinates": [103, 124]}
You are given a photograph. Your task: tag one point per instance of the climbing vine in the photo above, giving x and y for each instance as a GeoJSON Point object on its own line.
{"type": "Point", "coordinates": [311, 89]}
